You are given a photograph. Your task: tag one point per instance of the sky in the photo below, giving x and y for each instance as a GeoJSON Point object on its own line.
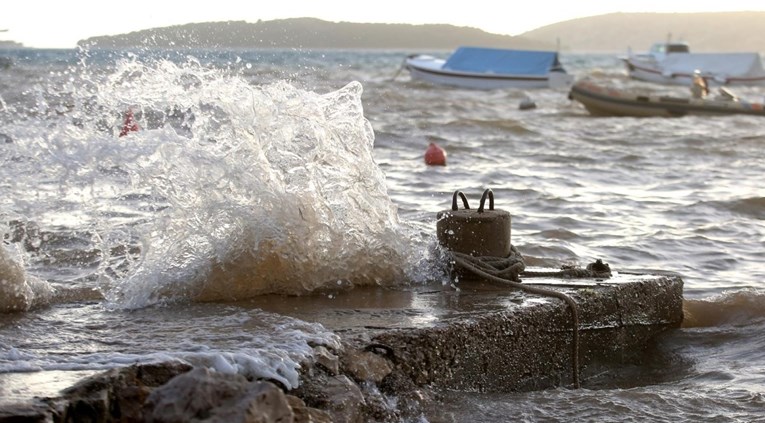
{"type": "Point", "coordinates": [61, 23]}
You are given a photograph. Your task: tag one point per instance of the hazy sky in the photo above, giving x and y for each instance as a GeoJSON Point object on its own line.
{"type": "Point", "coordinates": [61, 23]}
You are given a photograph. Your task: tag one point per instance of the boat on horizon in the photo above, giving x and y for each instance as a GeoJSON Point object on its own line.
{"type": "Point", "coordinates": [600, 100]}
{"type": "Point", "coordinates": [491, 68]}
{"type": "Point", "coordinates": [672, 63]}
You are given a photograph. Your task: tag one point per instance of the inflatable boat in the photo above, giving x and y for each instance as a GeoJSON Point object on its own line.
{"type": "Point", "coordinates": [605, 101]}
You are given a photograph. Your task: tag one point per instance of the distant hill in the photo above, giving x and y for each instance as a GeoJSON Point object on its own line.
{"type": "Point", "coordinates": [310, 33]}
{"type": "Point", "coordinates": [615, 32]}
{"type": "Point", "coordinates": [10, 44]}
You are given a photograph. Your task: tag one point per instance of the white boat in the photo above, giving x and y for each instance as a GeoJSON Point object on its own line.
{"type": "Point", "coordinates": [672, 63]}
{"type": "Point", "coordinates": [491, 68]}
{"type": "Point", "coordinates": [602, 100]}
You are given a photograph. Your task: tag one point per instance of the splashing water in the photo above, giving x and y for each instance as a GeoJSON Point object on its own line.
{"type": "Point", "coordinates": [259, 188]}
{"type": "Point", "coordinates": [18, 290]}
{"type": "Point", "coordinates": [275, 190]}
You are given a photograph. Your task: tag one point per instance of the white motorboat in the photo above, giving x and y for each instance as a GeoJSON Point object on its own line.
{"type": "Point", "coordinates": [672, 63]}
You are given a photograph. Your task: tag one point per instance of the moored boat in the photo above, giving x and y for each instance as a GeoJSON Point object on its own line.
{"type": "Point", "coordinates": [673, 63]}
{"type": "Point", "coordinates": [605, 101]}
{"type": "Point", "coordinates": [491, 68]}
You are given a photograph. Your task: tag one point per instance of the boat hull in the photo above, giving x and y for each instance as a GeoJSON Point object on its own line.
{"type": "Point", "coordinates": [428, 69]}
{"type": "Point", "coordinates": [652, 71]}
{"type": "Point", "coordinates": [602, 101]}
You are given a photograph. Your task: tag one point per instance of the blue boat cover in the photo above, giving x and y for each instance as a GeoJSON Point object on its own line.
{"type": "Point", "coordinates": [502, 61]}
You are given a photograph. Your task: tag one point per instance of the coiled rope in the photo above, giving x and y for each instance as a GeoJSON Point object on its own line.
{"type": "Point", "coordinates": [507, 271]}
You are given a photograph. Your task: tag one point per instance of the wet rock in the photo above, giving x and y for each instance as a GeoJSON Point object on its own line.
{"type": "Point", "coordinates": [206, 396]}
{"type": "Point", "coordinates": [366, 366]}
{"type": "Point", "coordinates": [305, 414]}
{"type": "Point", "coordinates": [410, 398]}
{"type": "Point", "coordinates": [327, 360]}
{"type": "Point", "coordinates": [117, 394]}
{"type": "Point", "coordinates": [32, 412]}
{"type": "Point", "coordinates": [337, 395]}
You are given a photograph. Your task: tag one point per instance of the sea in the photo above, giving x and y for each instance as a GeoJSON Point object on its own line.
{"type": "Point", "coordinates": [298, 172]}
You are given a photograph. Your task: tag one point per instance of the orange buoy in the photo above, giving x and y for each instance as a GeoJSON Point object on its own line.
{"type": "Point", "coordinates": [435, 155]}
{"type": "Point", "coordinates": [130, 124]}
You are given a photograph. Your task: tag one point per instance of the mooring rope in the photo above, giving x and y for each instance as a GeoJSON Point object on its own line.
{"type": "Point", "coordinates": [507, 270]}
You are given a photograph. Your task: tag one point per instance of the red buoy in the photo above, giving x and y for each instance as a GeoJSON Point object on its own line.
{"type": "Point", "coordinates": [435, 155]}
{"type": "Point", "coordinates": [130, 124]}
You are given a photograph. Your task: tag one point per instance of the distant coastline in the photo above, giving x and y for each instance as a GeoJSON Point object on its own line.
{"type": "Point", "coordinates": [609, 33]}
{"type": "Point", "coordinates": [614, 32]}
{"type": "Point", "coordinates": [5, 44]}
{"type": "Point", "coordinates": [311, 33]}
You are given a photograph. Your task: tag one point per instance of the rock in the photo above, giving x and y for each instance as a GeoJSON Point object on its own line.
{"type": "Point", "coordinates": [32, 412]}
{"type": "Point", "coordinates": [305, 414]}
{"type": "Point", "coordinates": [204, 395]}
{"type": "Point", "coordinates": [327, 360]}
{"type": "Point", "coordinates": [366, 366]}
{"type": "Point", "coordinates": [117, 394]}
{"type": "Point", "coordinates": [338, 395]}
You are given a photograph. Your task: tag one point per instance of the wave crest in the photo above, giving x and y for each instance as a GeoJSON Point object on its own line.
{"type": "Point", "coordinates": [729, 308]}
{"type": "Point", "coordinates": [19, 291]}
{"type": "Point", "coordinates": [272, 190]}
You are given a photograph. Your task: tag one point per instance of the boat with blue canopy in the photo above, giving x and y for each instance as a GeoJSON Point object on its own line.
{"type": "Point", "coordinates": [491, 68]}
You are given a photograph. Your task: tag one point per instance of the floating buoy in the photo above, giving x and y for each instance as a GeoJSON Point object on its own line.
{"type": "Point", "coordinates": [527, 104]}
{"type": "Point", "coordinates": [130, 124]}
{"type": "Point", "coordinates": [435, 155]}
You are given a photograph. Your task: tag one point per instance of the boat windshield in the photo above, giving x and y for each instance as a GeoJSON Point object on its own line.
{"type": "Point", "coordinates": [677, 48]}
{"type": "Point", "coordinates": [663, 48]}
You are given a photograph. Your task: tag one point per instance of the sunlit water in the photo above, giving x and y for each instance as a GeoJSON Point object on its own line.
{"type": "Point", "coordinates": [298, 172]}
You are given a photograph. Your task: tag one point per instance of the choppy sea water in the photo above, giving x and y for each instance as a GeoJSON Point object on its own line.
{"type": "Point", "coordinates": [304, 171]}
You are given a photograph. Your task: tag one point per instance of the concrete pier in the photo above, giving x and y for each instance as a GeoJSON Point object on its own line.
{"type": "Point", "coordinates": [491, 338]}
{"type": "Point", "coordinates": [413, 342]}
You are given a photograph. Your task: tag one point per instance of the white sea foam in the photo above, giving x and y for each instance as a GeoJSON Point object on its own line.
{"type": "Point", "coordinates": [252, 343]}
{"type": "Point", "coordinates": [18, 290]}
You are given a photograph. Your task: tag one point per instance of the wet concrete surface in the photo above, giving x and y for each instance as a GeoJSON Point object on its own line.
{"type": "Point", "coordinates": [479, 336]}
{"type": "Point", "coordinates": [492, 338]}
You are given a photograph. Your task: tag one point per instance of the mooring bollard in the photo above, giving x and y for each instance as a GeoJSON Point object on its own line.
{"type": "Point", "coordinates": [478, 232]}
